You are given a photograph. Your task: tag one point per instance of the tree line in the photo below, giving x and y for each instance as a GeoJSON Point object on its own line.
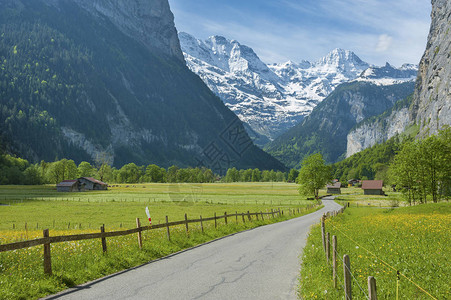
{"type": "Point", "coordinates": [17, 171]}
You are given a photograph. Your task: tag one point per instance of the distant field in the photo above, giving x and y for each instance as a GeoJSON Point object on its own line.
{"type": "Point", "coordinates": [413, 240]}
{"type": "Point", "coordinates": [43, 207]}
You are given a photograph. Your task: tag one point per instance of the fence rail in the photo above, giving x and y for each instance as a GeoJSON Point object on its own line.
{"type": "Point", "coordinates": [47, 240]}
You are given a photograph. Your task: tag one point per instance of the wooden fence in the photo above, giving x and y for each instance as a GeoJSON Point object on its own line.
{"type": "Point", "coordinates": [47, 240]}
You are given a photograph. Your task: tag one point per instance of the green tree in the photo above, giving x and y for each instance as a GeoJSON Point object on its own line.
{"type": "Point", "coordinates": [172, 174]}
{"type": "Point", "coordinates": [86, 170]}
{"type": "Point", "coordinates": [293, 175]}
{"type": "Point", "coordinates": [256, 175]}
{"type": "Point", "coordinates": [233, 175]}
{"type": "Point", "coordinates": [154, 174]}
{"type": "Point", "coordinates": [129, 173]}
{"type": "Point", "coordinates": [314, 175]}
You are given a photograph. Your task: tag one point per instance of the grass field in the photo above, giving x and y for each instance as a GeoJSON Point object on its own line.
{"type": "Point", "coordinates": [43, 207]}
{"type": "Point", "coordinates": [412, 240]}
{"type": "Point", "coordinates": [21, 272]}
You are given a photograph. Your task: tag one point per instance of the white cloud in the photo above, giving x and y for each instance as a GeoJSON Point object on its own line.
{"type": "Point", "coordinates": [384, 43]}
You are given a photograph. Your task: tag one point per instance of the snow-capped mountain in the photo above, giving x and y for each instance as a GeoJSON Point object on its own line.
{"type": "Point", "coordinates": [270, 98]}
{"type": "Point", "coordinates": [388, 75]}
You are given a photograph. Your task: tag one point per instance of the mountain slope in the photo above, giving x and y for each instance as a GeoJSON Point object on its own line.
{"type": "Point", "coordinates": [78, 81]}
{"type": "Point", "coordinates": [273, 98]}
{"type": "Point", "coordinates": [325, 129]}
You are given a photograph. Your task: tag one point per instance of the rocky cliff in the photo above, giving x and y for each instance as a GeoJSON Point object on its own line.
{"type": "Point", "coordinates": [430, 108]}
{"type": "Point", "coordinates": [148, 21]}
{"type": "Point", "coordinates": [432, 102]}
{"type": "Point", "coordinates": [380, 128]}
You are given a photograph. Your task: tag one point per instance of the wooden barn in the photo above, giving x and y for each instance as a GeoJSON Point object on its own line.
{"type": "Point", "coordinates": [67, 186]}
{"type": "Point", "coordinates": [334, 188]}
{"type": "Point", "coordinates": [373, 187]}
{"type": "Point", "coordinates": [81, 185]}
{"type": "Point", "coordinates": [91, 184]}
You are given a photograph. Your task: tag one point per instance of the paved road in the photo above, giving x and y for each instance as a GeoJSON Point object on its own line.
{"type": "Point", "coordinates": [262, 263]}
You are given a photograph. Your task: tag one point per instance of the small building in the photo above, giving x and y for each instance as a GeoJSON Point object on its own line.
{"type": "Point", "coordinates": [91, 184]}
{"type": "Point", "coordinates": [373, 187]}
{"type": "Point", "coordinates": [67, 186]}
{"type": "Point", "coordinates": [353, 182]}
{"type": "Point", "coordinates": [334, 188]}
{"type": "Point", "coordinates": [81, 185]}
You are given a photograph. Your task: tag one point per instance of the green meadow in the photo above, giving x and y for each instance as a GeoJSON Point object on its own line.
{"type": "Point", "coordinates": [21, 271]}
{"type": "Point", "coordinates": [412, 240]}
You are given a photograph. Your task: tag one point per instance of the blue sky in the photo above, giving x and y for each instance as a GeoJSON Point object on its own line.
{"type": "Point", "coordinates": [279, 30]}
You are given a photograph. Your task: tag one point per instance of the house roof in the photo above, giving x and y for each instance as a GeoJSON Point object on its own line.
{"type": "Point", "coordinates": [93, 180]}
{"type": "Point", "coordinates": [335, 185]}
{"type": "Point", "coordinates": [372, 184]}
{"type": "Point", "coordinates": [67, 183]}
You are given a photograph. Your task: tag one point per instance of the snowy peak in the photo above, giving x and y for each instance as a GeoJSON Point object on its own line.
{"type": "Point", "coordinates": [388, 74]}
{"type": "Point", "coordinates": [228, 55]}
{"type": "Point", "coordinates": [342, 58]}
{"type": "Point", "coordinates": [271, 98]}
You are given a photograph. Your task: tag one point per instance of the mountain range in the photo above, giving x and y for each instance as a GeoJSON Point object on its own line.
{"type": "Point", "coordinates": [84, 79]}
{"type": "Point", "coordinates": [273, 98]}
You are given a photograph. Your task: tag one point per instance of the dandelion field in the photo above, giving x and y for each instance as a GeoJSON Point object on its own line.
{"type": "Point", "coordinates": [380, 242]}
{"type": "Point", "coordinates": [21, 271]}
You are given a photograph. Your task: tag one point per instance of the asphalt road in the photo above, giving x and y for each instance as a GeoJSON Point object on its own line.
{"type": "Point", "coordinates": [261, 263]}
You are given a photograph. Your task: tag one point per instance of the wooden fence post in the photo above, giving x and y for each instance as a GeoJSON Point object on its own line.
{"type": "Point", "coordinates": [140, 240]}
{"type": "Point", "coordinates": [256, 214]}
{"type": "Point", "coordinates": [323, 232]}
{"type": "Point", "coordinates": [372, 293]}
{"type": "Point", "coordinates": [104, 248]}
{"type": "Point", "coordinates": [242, 215]}
{"type": "Point", "coordinates": [328, 247]}
{"type": "Point", "coordinates": [334, 259]}
{"type": "Point", "coordinates": [261, 213]}
{"type": "Point", "coordinates": [347, 276]}
{"type": "Point", "coordinates": [216, 223]}
{"type": "Point", "coordinates": [272, 213]}
{"type": "Point", "coordinates": [186, 224]}
{"type": "Point", "coordinates": [279, 213]}
{"type": "Point", "coordinates": [225, 217]}
{"type": "Point", "coordinates": [249, 216]}
{"type": "Point", "coordinates": [201, 224]}
{"type": "Point", "coordinates": [167, 229]}
{"type": "Point", "coordinates": [47, 255]}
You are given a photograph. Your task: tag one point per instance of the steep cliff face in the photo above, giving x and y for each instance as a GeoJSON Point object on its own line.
{"type": "Point", "coordinates": [432, 101]}
{"type": "Point", "coordinates": [430, 108]}
{"type": "Point", "coordinates": [380, 128]}
{"type": "Point", "coordinates": [148, 21]}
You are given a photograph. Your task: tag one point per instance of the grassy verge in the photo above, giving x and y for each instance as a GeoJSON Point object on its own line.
{"type": "Point", "coordinates": [21, 271]}
{"type": "Point", "coordinates": [413, 240]}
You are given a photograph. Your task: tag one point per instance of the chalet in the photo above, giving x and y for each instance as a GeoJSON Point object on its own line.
{"type": "Point", "coordinates": [334, 188]}
{"type": "Point", "coordinates": [373, 187]}
{"type": "Point", "coordinates": [67, 186]}
{"type": "Point", "coordinates": [81, 184]}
